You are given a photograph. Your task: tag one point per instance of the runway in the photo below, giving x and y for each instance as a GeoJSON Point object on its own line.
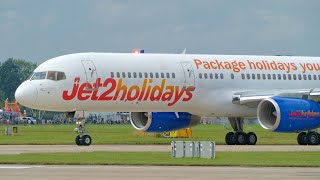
{"type": "Point", "coordinates": [17, 172]}
{"type": "Point", "coordinates": [18, 149]}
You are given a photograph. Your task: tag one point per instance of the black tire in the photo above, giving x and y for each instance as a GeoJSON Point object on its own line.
{"type": "Point", "coordinates": [302, 138]}
{"type": "Point", "coordinates": [313, 138]}
{"type": "Point", "coordinates": [240, 138]}
{"type": "Point", "coordinates": [251, 138]}
{"type": "Point", "coordinates": [78, 140]}
{"type": "Point", "coordinates": [86, 140]}
{"type": "Point", "coordinates": [230, 138]}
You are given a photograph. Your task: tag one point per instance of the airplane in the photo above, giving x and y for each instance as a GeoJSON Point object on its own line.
{"type": "Point", "coordinates": [166, 92]}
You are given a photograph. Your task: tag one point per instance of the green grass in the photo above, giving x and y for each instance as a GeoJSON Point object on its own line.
{"type": "Point", "coordinates": [264, 159]}
{"type": "Point", "coordinates": [125, 134]}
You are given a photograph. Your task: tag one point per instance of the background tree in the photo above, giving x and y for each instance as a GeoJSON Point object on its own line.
{"type": "Point", "coordinates": [12, 73]}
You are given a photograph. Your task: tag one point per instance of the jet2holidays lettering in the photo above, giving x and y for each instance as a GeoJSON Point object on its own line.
{"type": "Point", "coordinates": [115, 90]}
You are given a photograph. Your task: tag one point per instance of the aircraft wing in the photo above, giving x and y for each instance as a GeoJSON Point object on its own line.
{"type": "Point", "coordinates": [253, 98]}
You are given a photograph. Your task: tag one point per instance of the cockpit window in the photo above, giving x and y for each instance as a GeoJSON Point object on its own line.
{"type": "Point", "coordinates": [56, 75]}
{"type": "Point", "coordinates": [52, 75]}
{"type": "Point", "coordinates": [39, 75]}
{"type": "Point", "coordinates": [61, 76]}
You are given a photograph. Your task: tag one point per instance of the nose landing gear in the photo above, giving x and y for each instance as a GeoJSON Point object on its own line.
{"type": "Point", "coordinates": [83, 139]}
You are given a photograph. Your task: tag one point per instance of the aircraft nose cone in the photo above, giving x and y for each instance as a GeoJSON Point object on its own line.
{"type": "Point", "coordinates": [26, 94]}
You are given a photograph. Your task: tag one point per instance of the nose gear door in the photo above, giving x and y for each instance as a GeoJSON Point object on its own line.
{"type": "Point", "coordinates": [90, 70]}
{"type": "Point", "coordinates": [189, 76]}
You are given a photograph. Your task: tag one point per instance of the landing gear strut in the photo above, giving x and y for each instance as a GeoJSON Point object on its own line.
{"type": "Point", "coordinates": [239, 137]}
{"type": "Point", "coordinates": [83, 139]}
{"type": "Point", "coordinates": [310, 138]}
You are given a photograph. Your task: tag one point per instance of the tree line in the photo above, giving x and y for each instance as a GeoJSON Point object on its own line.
{"type": "Point", "coordinates": [12, 73]}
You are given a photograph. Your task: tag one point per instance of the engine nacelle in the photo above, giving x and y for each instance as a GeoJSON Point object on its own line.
{"type": "Point", "coordinates": [162, 121]}
{"type": "Point", "coordinates": [288, 114]}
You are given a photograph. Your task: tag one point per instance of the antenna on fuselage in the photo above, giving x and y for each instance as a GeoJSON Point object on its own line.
{"type": "Point", "coordinates": [184, 51]}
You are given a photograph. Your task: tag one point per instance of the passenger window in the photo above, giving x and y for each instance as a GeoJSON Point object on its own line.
{"type": "Point", "coordinates": [318, 77]}
{"type": "Point", "coordinates": [258, 76]}
{"type": "Point", "coordinates": [305, 77]}
{"type": "Point", "coordinates": [135, 75]}
{"type": "Point", "coordinates": [151, 75]}
{"type": "Point", "coordinates": [299, 76]}
{"type": "Point", "coordinates": [162, 75]}
{"type": "Point", "coordinates": [211, 76]}
{"type": "Point", "coordinates": [61, 76]}
{"type": "Point", "coordinates": [294, 77]}
{"type": "Point", "coordinates": [205, 75]}
{"type": "Point", "coordinates": [314, 77]}
{"type": "Point", "coordinates": [118, 75]}
{"type": "Point", "coordinates": [232, 76]}
{"type": "Point", "coordinates": [284, 77]}
{"type": "Point", "coordinates": [263, 76]}
{"type": "Point", "coordinates": [279, 76]}
{"type": "Point", "coordinates": [248, 76]}
{"type": "Point", "coordinates": [221, 76]}
{"type": "Point", "coordinates": [145, 75]}
{"type": "Point", "coordinates": [140, 74]}
{"type": "Point", "coordinates": [274, 77]}
{"type": "Point", "coordinates": [243, 76]}
{"type": "Point", "coordinates": [309, 77]}
{"type": "Point", "coordinates": [289, 76]}
{"type": "Point", "coordinates": [200, 75]}
{"type": "Point", "coordinates": [157, 75]}
{"type": "Point", "coordinates": [216, 75]}
{"type": "Point", "coordinates": [129, 74]}
{"type": "Point", "coordinates": [39, 75]}
{"type": "Point", "coordinates": [112, 74]}
{"type": "Point", "coordinates": [123, 74]}
{"type": "Point", "coordinates": [173, 75]}
{"type": "Point", "coordinates": [253, 76]}
{"type": "Point", "coordinates": [269, 76]}
{"type": "Point", "coordinates": [168, 75]}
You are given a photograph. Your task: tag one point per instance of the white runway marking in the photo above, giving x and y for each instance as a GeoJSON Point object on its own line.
{"type": "Point", "coordinates": [18, 167]}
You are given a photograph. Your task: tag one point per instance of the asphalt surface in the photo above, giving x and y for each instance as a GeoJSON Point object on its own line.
{"type": "Point", "coordinates": [18, 172]}
{"type": "Point", "coordinates": [18, 149]}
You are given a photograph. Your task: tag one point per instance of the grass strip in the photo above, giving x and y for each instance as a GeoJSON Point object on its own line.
{"type": "Point", "coordinates": [252, 159]}
{"type": "Point", "coordinates": [125, 134]}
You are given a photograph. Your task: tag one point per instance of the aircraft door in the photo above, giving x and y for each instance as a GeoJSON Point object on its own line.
{"type": "Point", "coordinates": [189, 76]}
{"type": "Point", "coordinates": [90, 70]}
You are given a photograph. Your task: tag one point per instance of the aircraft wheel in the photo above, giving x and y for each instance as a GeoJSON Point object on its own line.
{"type": "Point", "coordinates": [240, 138]}
{"type": "Point", "coordinates": [302, 138]}
{"type": "Point", "coordinates": [313, 138]}
{"type": "Point", "coordinates": [86, 140]}
{"type": "Point", "coordinates": [251, 138]}
{"type": "Point", "coordinates": [230, 138]}
{"type": "Point", "coordinates": [78, 140]}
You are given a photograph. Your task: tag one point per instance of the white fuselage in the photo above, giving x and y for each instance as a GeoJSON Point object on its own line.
{"type": "Point", "coordinates": [199, 84]}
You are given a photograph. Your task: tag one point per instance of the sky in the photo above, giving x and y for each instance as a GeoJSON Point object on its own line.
{"type": "Point", "coordinates": [37, 30]}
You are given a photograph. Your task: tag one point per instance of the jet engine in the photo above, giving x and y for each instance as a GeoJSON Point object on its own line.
{"type": "Point", "coordinates": [288, 114]}
{"type": "Point", "coordinates": [162, 121]}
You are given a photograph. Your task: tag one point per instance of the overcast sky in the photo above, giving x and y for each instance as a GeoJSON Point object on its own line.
{"type": "Point", "coordinates": [37, 30]}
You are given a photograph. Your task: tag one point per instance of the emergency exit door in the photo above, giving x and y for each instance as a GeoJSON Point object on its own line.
{"type": "Point", "coordinates": [189, 76]}
{"type": "Point", "coordinates": [90, 71]}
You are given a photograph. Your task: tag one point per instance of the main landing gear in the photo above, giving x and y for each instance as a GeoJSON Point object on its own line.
{"type": "Point", "coordinates": [83, 139]}
{"type": "Point", "coordinates": [310, 138]}
{"type": "Point", "coordinates": [239, 137]}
